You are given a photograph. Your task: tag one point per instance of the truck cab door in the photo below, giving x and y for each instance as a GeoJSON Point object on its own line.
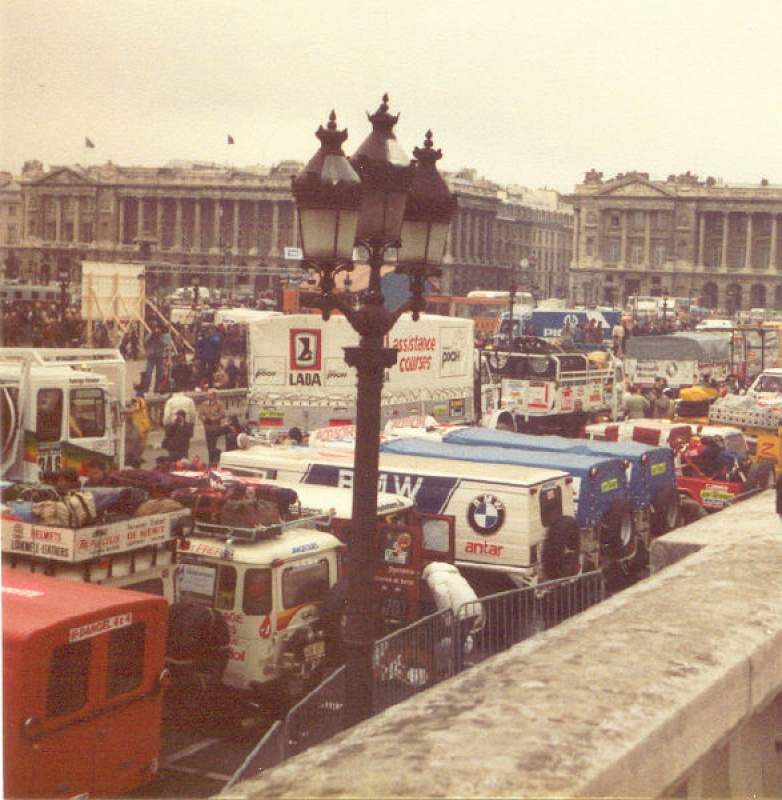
{"type": "Point", "coordinates": [397, 573]}
{"type": "Point", "coordinates": [88, 423]}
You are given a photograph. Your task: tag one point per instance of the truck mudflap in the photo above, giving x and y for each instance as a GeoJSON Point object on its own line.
{"type": "Point", "coordinates": [560, 553]}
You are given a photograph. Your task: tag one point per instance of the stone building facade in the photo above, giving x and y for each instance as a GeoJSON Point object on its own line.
{"type": "Point", "coordinates": [190, 222]}
{"type": "Point", "coordinates": [507, 235]}
{"type": "Point", "coordinates": [229, 227]}
{"type": "Point", "coordinates": [681, 237]}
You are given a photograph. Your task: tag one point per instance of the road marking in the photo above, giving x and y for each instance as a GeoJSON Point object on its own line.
{"type": "Point", "coordinates": [212, 776]}
{"type": "Point", "coordinates": [189, 751]}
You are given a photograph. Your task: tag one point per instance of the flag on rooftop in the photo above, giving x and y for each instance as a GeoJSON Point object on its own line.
{"type": "Point", "coordinates": [230, 139]}
{"type": "Point", "coordinates": [88, 142]}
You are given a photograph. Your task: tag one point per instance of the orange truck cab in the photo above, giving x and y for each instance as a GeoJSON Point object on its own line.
{"type": "Point", "coordinates": [83, 673]}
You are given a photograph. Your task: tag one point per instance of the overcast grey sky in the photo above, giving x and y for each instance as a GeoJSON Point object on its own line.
{"type": "Point", "coordinates": [533, 92]}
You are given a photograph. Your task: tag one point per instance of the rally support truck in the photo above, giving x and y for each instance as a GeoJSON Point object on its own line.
{"type": "Point", "coordinates": [126, 552]}
{"type": "Point", "coordinates": [651, 477]}
{"type": "Point", "coordinates": [713, 464]}
{"type": "Point", "coordinates": [60, 407]}
{"type": "Point", "coordinates": [504, 517]}
{"type": "Point", "coordinates": [602, 534]}
{"type": "Point", "coordinates": [690, 358]}
{"type": "Point", "coordinates": [83, 679]}
{"type": "Point", "coordinates": [758, 414]}
{"type": "Point", "coordinates": [263, 565]}
{"type": "Point", "coordinates": [298, 374]}
{"type": "Point", "coordinates": [537, 391]}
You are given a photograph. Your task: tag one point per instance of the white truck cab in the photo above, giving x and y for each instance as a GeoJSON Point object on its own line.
{"type": "Point", "coordinates": [59, 408]}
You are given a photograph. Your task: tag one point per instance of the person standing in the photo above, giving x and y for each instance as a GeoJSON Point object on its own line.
{"type": "Point", "coordinates": [178, 435]}
{"type": "Point", "coordinates": [155, 345]}
{"type": "Point", "coordinates": [618, 333]}
{"type": "Point", "coordinates": [140, 417]}
{"type": "Point", "coordinates": [662, 405]}
{"type": "Point", "coordinates": [636, 406]}
{"type": "Point", "coordinates": [212, 414]}
{"type": "Point", "coordinates": [451, 590]}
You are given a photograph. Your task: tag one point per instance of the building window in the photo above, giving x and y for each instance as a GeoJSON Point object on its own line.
{"type": "Point", "coordinates": [637, 254]}
{"type": "Point", "coordinates": [716, 256]}
{"type": "Point", "coordinates": [662, 221]}
{"type": "Point", "coordinates": [591, 218]}
{"type": "Point", "coordinates": [11, 211]}
{"type": "Point", "coordinates": [639, 218]}
{"type": "Point", "coordinates": [614, 220]}
{"type": "Point", "coordinates": [741, 255]}
{"type": "Point", "coordinates": [612, 252]}
{"type": "Point", "coordinates": [589, 246]}
{"type": "Point", "coordinates": [11, 239]}
{"type": "Point", "coordinates": [660, 255]}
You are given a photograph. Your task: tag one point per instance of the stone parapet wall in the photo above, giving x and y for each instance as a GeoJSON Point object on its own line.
{"type": "Point", "coordinates": [669, 687]}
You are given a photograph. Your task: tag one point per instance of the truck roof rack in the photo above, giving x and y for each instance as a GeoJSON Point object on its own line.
{"type": "Point", "coordinates": [250, 535]}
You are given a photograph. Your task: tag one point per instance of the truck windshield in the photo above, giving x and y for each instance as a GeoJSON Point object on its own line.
{"type": "Point", "coordinates": [305, 583]}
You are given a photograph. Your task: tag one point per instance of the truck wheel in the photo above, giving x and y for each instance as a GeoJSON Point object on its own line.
{"type": "Point", "coordinates": [692, 511]}
{"type": "Point", "coordinates": [618, 536]}
{"type": "Point", "coordinates": [559, 556]}
{"type": "Point", "coordinates": [666, 511]}
{"type": "Point", "coordinates": [760, 476]}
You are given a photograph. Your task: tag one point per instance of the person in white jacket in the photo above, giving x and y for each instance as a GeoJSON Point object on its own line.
{"type": "Point", "coordinates": [179, 402]}
{"type": "Point", "coordinates": [451, 590]}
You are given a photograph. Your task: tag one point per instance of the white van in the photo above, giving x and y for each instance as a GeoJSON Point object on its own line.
{"type": "Point", "coordinates": [504, 516]}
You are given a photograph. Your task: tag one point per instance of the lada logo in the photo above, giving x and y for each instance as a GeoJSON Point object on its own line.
{"type": "Point", "coordinates": [486, 514]}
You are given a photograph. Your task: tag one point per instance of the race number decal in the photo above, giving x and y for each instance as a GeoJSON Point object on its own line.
{"type": "Point", "coordinates": [486, 514]}
{"type": "Point", "coordinates": [265, 630]}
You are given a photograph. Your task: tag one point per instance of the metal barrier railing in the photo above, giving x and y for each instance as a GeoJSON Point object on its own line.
{"type": "Point", "coordinates": [423, 654]}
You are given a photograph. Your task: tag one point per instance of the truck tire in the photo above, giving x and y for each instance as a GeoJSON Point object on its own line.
{"type": "Point", "coordinates": [666, 511]}
{"type": "Point", "coordinates": [760, 476]}
{"type": "Point", "coordinates": [618, 535]}
{"type": "Point", "coordinates": [692, 511]}
{"type": "Point", "coordinates": [559, 555]}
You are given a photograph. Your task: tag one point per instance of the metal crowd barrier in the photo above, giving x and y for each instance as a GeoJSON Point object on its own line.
{"type": "Point", "coordinates": [422, 655]}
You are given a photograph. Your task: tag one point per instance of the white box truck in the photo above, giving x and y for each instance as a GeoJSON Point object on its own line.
{"type": "Point", "coordinates": [298, 374]}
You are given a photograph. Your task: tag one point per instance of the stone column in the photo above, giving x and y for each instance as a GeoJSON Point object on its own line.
{"type": "Point", "coordinates": [197, 225]}
{"type": "Point", "coordinates": [648, 238]}
{"type": "Point", "coordinates": [623, 240]}
{"type": "Point", "coordinates": [159, 221]}
{"type": "Point", "coordinates": [257, 225]}
{"type": "Point", "coordinates": [58, 219]}
{"type": "Point", "coordinates": [274, 250]}
{"type": "Point", "coordinates": [725, 226]}
{"type": "Point", "coordinates": [218, 206]}
{"type": "Point", "coordinates": [701, 236]}
{"type": "Point", "coordinates": [178, 225]}
{"type": "Point", "coordinates": [599, 237]}
{"type": "Point", "coordinates": [748, 248]}
{"type": "Point", "coordinates": [121, 223]}
{"type": "Point", "coordinates": [76, 218]}
{"type": "Point", "coordinates": [140, 218]}
{"type": "Point", "coordinates": [576, 233]}
{"type": "Point", "coordinates": [236, 226]}
{"type": "Point", "coordinates": [772, 256]}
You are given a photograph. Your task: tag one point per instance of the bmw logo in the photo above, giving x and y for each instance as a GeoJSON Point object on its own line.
{"type": "Point", "coordinates": [486, 514]}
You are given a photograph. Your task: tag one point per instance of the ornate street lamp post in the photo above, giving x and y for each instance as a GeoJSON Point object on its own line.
{"type": "Point", "coordinates": [377, 200]}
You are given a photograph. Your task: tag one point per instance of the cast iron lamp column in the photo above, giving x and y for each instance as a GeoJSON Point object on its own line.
{"type": "Point", "coordinates": [379, 200]}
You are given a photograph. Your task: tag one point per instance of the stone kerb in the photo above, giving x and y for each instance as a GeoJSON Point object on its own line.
{"type": "Point", "coordinates": [621, 701]}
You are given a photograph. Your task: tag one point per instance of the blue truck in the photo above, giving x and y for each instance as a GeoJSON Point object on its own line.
{"type": "Point", "coordinates": [651, 477]}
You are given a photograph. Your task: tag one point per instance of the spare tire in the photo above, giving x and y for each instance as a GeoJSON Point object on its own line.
{"type": "Point", "coordinates": [666, 511]}
{"type": "Point", "coordinates": [197, 640]}
{"type": "Point", "coordinates": [618, 535]}
{"type": "Point", "coordinates": [559, 555]}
